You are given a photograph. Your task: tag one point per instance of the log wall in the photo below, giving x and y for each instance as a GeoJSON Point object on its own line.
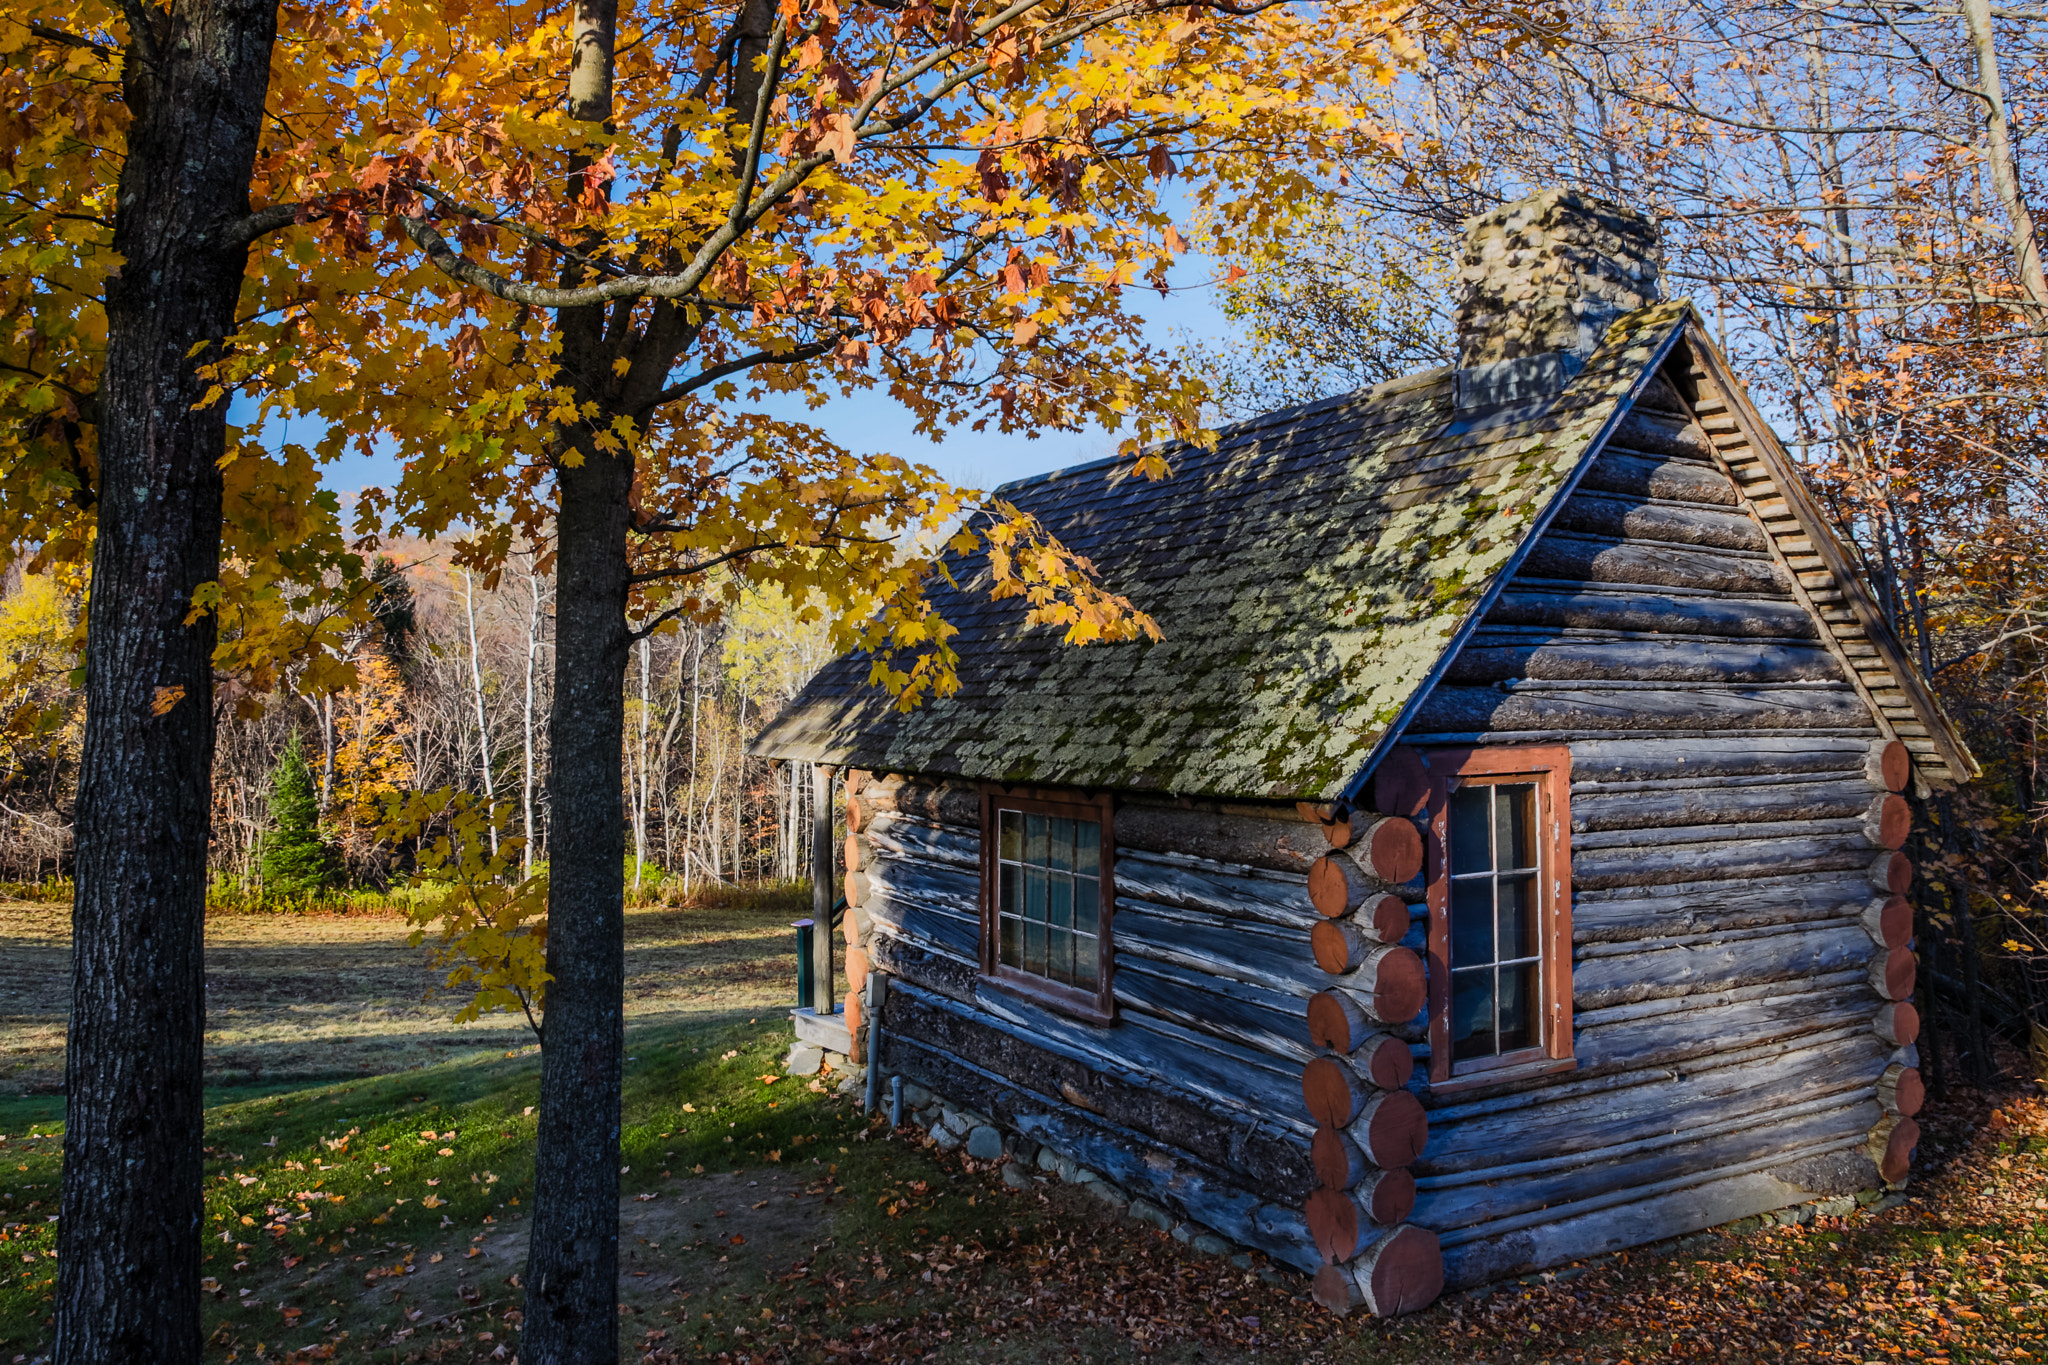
{"type": "Point", "coordinates": [1736, 929]}
{"type": "Point", "coordinates": [1740, 963]}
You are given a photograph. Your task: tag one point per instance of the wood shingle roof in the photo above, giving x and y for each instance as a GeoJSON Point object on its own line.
{"type": "Point", "coordinates": [1312, 573]}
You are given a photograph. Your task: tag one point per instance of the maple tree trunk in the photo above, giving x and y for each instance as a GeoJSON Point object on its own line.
{"type": "Point", "coordinates": [572, 1267]}
{"type": "Point", "coordinates": [128, 1238]}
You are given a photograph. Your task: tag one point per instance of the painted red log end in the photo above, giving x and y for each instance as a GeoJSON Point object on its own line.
{"type": "Point", "coordinates": [1336, 1022]}
{"type": "Point", "coordinates": [1892, 872]}
{"type": "Point", "coordinates": [1400, 987]}
{"type": "Point", "coordinates": [1337, 1161]}
{"type": "Point", "coordinates": [1334, 1095]}
{"type": "Point", "coordinates": [1901, 973]}
{"type": "Point", "coordinates": [1898, 1151]}
{"type": "Point", "coordinates": [1388, 1065]}
{"type": "Point", "coordinates": [1910, 1093]}
{"type": "Point", "coordinates": [1397, 1131]}
{"type": "Point", "coordinates": [1895, 765]}
{"type": "Point", "coordinates": [1333, 943]}
{"type": "Point", "coordinates": [1329, 889]}
{"type": "Point", "coordinates": [1892, 821]}
{"type": "Point", "coordinates": [1898, 1023]}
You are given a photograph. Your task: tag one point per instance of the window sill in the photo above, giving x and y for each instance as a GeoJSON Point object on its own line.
{"type": "Point", "coordinates": [1051, 995]}
{"type": "Point", "coordinates": [1505, 1073]}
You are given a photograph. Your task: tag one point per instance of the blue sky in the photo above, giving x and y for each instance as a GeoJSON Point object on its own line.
{"type": "Point", "coordinates": [871, 424]}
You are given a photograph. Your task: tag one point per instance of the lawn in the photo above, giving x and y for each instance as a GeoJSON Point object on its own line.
{"type": "Point", "coordinates": [765, 1218]}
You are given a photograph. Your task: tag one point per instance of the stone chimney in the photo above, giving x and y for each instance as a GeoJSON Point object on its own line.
{"type": "Point", "coordinates": [1540, 281]}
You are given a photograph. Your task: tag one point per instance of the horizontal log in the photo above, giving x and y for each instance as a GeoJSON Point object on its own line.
{"type": "Point", "coordinates": [1894, 972]}
{"type": "Point", "coordinates": [1209, 1194]}
{"type": "Point", "coordinates": [1685, 1148]}
{"type": "Point", "coordinates": [1648, 475]}
{"type": "Point", "coordinates": [1659, 435]}
{"type": "Point", "coordinates": [1892, 873]}
{"type": "Point", "coordinates": [1900, 1090]}
{"type": "Point", "coordinates": [1847, 833]}
{"type": "Point", "coordinates": [1665, 659]}
{"type": "Point", "coordinates": [1629, 1218]}
{"type": "Point", "coordinates": [856, 887]}
{"type": "Point", "coordinates": [1638, 518]}
{"type": "Point", "coordinates": [1282, 842]}
{"type": "Point", "coordinates": [1402, 1272]}
{"type": "Point", "coordinates": [1596, 809]}
{"type": "Point", "coordinates": [1890, 765]}
{"type": "Point", "coordinates": [1197, 884]}
{"type": "Point", "coordinates": [1346, 1222]}
{"type": "Point", "coordinates": [1386, 847]}
{"type": "Point", "coordinates": [1654, 613]}
{"type": "Point", "coordinates": [1891, 1146]}
{"type": "Point", "coordinates": [1473, 1141]}
{"type": "Point", "coordinates": [858, 852]}
{"type": "Point", "coordinates": [1888, 821]}
{"type": "Point", "coordinates": [1342, 945]}
{"type": "Point", "coordinates": [1626, 972]}
{"type": "Point", "coordinates": [1690, 907]}
{"type": "Point", "coordinates": [946, 803]}
{"type": "Point", "coordinates": [1898, 1023]}
{"type": "Point", "coordinates": [892, 835]}
{"type": "Point", "coordinates": [1680, 861]}
{"type": "Point", "coordinates": [1391, 1130]}
{"type": "Point", "coordinates": [1662, 758]}
{"type": "Point", "coordinates": [1390, 985]}
{"type": "Point", "coordinates": [1614, 1044]}
{"type": "Point", "coordinates": [1562, 562]}
{"type": "Point", "coordinates": [1268, 956]}
{"type": "Point", "coordinates": [1888, 920]}
{"type": "Point", "coordinates": [1470, 710]}
{"type": "Point", "coordinates": [1246, 1013]}
{"type": "Point", "coordinates": [1195, 1098]}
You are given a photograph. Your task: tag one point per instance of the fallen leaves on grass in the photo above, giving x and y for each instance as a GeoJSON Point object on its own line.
{"type": "Point", "coordinates": [1951, 1275]}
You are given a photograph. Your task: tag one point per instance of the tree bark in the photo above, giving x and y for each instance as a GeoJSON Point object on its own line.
{"type": "Point", "coordinates": [2026, 243]}
{"type": "Point", "coordinates": [572, 1264]}
{"type": "Point", "coordinates": [128, 1239]}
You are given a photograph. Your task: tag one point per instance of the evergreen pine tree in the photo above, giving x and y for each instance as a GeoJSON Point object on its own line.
{"type": "Point", "coordinates": [297, 860]}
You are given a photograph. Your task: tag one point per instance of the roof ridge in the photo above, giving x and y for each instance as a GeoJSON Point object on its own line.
{"type": "Point", "coordinates": [1386, 388]}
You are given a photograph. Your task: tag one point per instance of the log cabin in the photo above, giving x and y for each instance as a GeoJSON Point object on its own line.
{"type": "Point", "coordinates": [1496, 862]}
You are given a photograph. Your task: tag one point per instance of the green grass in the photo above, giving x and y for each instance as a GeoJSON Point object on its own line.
{"type": "Point", "coordinates": [344, 1172]}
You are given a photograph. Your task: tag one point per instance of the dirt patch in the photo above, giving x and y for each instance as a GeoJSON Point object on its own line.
{"type": "Point", "coordinates": [293, 997]}
{"type": "Point", "coordinates": [708, 1236]}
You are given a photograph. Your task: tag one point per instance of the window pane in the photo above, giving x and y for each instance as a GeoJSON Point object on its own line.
{"type": "Point", "coordinates": [1472, 1014]}
{"type": "Point", "coordinates": [1514, 838]}
{"type": "Point", "coordinates": [1087, 904]}
{"type": "Point", "coordinates": [1060, 916]}
{"type": "Point", "coordinates": [1034, 947]}
{"type": "Point", "coordinates": [1010, 840]}
{"type": "Point", "coordinates": [1087, 967]}
{"type": "Point", "coordinates": [1035, 839]}
{"type": "Point", "coordinates": [1034, 894]}
{"type": "Point", "coordinates": [1470, 814]}
{"type": "Point", "coordinates": [1517, 1007]}
{"type": "Point", "coordinates": [1518, 917]}
{"type": "Point", "coordinates": [1472, 922]}
{"type": "Point", "coordinates": [1010, 949]}
{"type": "Point", "coordinates": [1088, 848]}
{"type": "Point", "coordinates": [1060, 857]}
{"type": "Point", "coordinates": [1008, 879]}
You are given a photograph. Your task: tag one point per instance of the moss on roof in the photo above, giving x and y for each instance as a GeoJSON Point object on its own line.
{"type": "Point", "coordinates": [1309, 573]}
